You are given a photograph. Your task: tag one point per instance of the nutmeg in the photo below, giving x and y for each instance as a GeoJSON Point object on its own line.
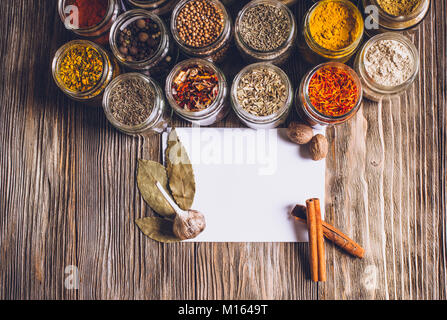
{"type": "Point", "coordinates": [299, 133]}
{"type": "Point", "coordinates": [318, 147]}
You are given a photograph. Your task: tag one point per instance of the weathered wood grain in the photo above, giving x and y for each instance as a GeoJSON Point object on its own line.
{"type": "Point", "coordinates": [68, 194]}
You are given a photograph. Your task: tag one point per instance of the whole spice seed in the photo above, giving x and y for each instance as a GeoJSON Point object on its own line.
{"type": "Point", "coordinates": [332, 91]}
{"type": "Point", "coordinates": [199, 23]}
{"type": "Point", "coordinates": [388, 62]}
{"type": "Point", "coordinates": [132, 101]}
{"type": "Point", "coordinates": [400, 7]}
{"type": "Point", "coordinates": [265, 27]}
{"type": "Point", "coordinates": [81, 68]}
{"type": "Point", "coordinates": [261, 91]}
{"type": "Point", "coordinates": [195, 88]}
{"type": "Point", "coordinates": [139, 40]}
{"type": "Point", "coordinates": [334, 25]}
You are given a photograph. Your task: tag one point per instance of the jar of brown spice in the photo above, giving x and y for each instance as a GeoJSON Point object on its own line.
{"type": "Point", "coordinates": [202, 29]}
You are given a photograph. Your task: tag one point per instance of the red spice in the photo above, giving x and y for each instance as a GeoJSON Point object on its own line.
{"type": "Point", "coordinates": [195, 88]}
{"type": "Point", "coordinates": [91, 12]}
{"type": "Point", "coordinates": [332, 91]}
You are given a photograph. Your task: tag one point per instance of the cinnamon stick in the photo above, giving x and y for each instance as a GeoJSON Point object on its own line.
{"type": "Point", "coordinates": [333, 234]}
{"type": "Point", "coordinates": [313, 247]}
{"type": "Point", "coordinates": [320, 243]}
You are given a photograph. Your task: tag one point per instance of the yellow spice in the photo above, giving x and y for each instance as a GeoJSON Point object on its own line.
{"type": "Point", "coordinates": [399, 7]}
{"type": "Point", "coordinates": [334, 26]}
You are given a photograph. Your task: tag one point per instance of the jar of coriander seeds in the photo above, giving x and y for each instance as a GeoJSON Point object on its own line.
{"type": "Point", "coordinates": [91, 19]}
{"type": "Point", "coordinates": [82, 70]}
{"type": "Point", "coordinates": [265, 30]}
{"type": "Point", "coordinates": [332, 31]}
{"type": "Point", "coordinates": [158, 7]}
{"type": "Point", "coordinates": [134, 104]}
{"type": "Point", "coordinates": [387, 65]}
{"type": "Point", "coordinates": [141, 42]}
{"type": "Point", "coordinates": [197, 91]}
{"type": "Point", "coordinates": [390, 15]}
{"type": "Point", "coordinates": [329, 94]}
{"type": "Point", "coordinates": [202, 29]}
{"type": "Point", "coordinates": [261, 96]}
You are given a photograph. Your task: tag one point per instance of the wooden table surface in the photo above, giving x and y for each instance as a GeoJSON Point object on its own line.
{"type": "Point", "coordinates": [68, 191]}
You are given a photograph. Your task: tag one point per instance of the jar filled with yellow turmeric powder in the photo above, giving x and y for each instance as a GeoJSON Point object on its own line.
{"type": "Point", "coordinates": [82, 70]}
{"type": "Point", "coordinates": [332, 31]}
{"type": "Point", "coordinates": [392, 15]}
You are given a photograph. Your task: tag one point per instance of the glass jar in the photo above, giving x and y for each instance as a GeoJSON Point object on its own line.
{"type": "Point", "coordinates": [262, 122]}
{"type": "Point", "coordinates": [277, 56]}
{"type": "Point", "coordinates": [158, 7]}
{"type": "Point", "coordinates": [371, 89]}
{"type": "Point", "coordinates": [164, 57]}
{"type": "Point", "coordinates": [216, 111]}
{"type": "Point", "coordinates": [94, 95]}
{"type": "Point", "coordinates": [99, 32]}
{"type": "Point", "coordinates": [215, 51]}
{"type": "Point", "coordinates": [309, 113]}
{"type": "Point", "coordinates": [387, 22]}
{"type": "Point", "coordinates": [313, 52]}
{"type": "Point", "coordinates": [158, 119]}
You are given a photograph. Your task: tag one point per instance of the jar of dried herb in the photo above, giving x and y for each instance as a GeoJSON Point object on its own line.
{"type": "Point", "coordinates": [332, 31]}
{"type": "Point", "coordinates": [396, 15]}
{"type": "Point", "coordinates": [141, 42]}
{"type": "Point", "coordinates": [202, 29]}
{"type": "Point", "coordinates": [197, 91]}
{"type": "Point", "coordinates": [329, 94]}
{"type": "Point", "coordinates": [261, 96]}
{"type": "Point", "coordinates": [134, 104]}
{"type": "Point", "coordinates": [265, 30]}
{"type": "Point", "coordinates": [158, 7]}
{"type": "Point", "coordinates": [83, 69]}
{"type": "Point", "coordinates": [91, 19]}
{"type": "Point", "coordinates": [387, 65]}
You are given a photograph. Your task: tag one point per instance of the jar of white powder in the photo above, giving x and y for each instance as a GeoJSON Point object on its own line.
{"type": "Point", "coordinates": [387, 65]}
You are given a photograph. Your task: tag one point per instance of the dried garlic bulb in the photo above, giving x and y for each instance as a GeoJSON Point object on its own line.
{"type": "Point", "coordinates": [189, 224]}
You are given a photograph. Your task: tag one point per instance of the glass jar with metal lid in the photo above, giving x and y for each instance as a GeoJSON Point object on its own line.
{"type": "Point", "coordinates": [268, 120]}
{"type": "Point", "coordinates": [212, 49]}
{"type": "Point", "coordinates": [314, 117]}
{"type": "Point", "coordinates": [160, 61]}
{"type": "Point", "coordinates": [376, 91]}
{"type": "Point", "coordinates": [314, 52]}
{"type": "Point", "coordinates": [276, 54]}
{"type": "Point", "coordinates": [394, 17]}
{"type": "Point", "coordinates": [158, 7]}
{"type": "Point", "coordinates": [98, 32]}
{"type": "Point", "coordinates": [219, 106]}
{"type": "Point", "coordinates": [158, 118]}
{"type": "Point", "coordinates": [80, 79]}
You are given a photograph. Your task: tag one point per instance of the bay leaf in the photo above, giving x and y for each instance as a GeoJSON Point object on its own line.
{"type": "Point", "coordinates": [149, 172]}
{"type": "Point", "coordinates": [180, 172]}
{"type": "Point", "coordinates": [158, 229]}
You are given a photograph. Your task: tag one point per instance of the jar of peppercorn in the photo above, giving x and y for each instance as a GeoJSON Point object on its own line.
{"type": "Point", "coordinates": [329, 94]}
{"type": "Point", "coordinates": [197, 91]}
{"type": "Point", "coordinates": [202, 29]}
{"type": "Point", "coordinates": [91, 19]}
{"type": "Point", "coordinates": [159, 7]}
{"type": "Point", "coordinates": [82, 70]}
{"type": "Point", "coordinates": [140, 41]}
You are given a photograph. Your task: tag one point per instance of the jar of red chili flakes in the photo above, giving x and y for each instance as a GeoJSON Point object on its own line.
{"type": "Point", "coordinates": [89, 18]}
{"type": "Point", "coordinates": [329, 94]}
{"type": "Point", "coordinates": [197, 91]}
{"type": "Point", "coordinates": [202, 29]}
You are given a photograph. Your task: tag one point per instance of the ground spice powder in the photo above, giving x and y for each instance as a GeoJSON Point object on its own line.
{"type": "Point", "coordinates": [334, 26]}
{"type": "Point", "coordinates": [91, 12]}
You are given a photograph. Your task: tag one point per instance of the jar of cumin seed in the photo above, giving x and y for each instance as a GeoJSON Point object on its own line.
{"type": "Point", "coordinates": [71, 83]}
{"type": "Point", "coordinates": [202, 29]}
{"type": "Point", "coordinates": [393, 16]}
{"type": "Point", "coordinates": [251, 37]}
{"type": "Point", "coordinates": [313, 51]}
{"type": "Point", "coordinates": [96, 29]}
